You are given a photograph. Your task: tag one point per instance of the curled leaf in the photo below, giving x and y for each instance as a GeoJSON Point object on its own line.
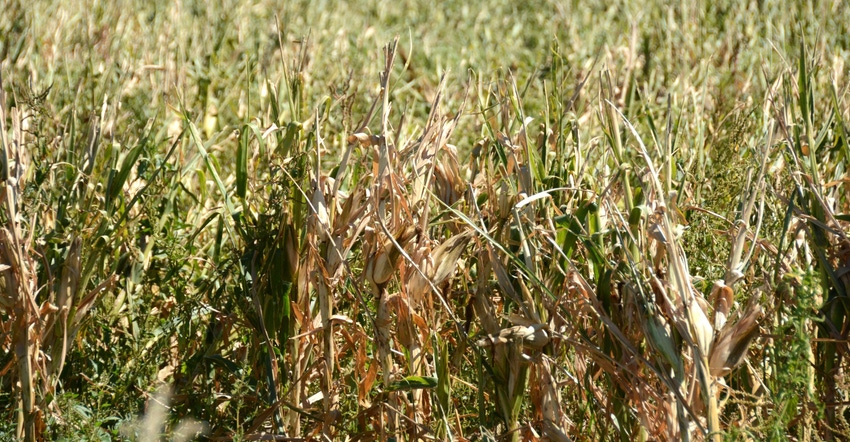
{"type": "Point", "coordinates": [730, 346]}
{"type": "Point", "coordinates": [723, 298]}
{"type": "Point", "coordinates": [534, 336]}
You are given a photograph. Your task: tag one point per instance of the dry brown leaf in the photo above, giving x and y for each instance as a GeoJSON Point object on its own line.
{"type": "Point", "coordinates": [365, 386]}
{"type": "Point", "coordinates": [723, 298]}
{"type": "Point", "coordinates": [731, 345]}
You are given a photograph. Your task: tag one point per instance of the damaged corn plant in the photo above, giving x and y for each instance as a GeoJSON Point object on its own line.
{"type": "Point", "coordinates": [391, 222]}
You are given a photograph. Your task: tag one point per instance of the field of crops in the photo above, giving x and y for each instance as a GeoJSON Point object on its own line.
{"type": "Point", "coordinates": [385, 221]}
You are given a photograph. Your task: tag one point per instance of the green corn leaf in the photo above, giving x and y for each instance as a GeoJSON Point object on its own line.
{"type": "Point", "coordinates": [242, 156]}
{"type": "Point", "coordinates": [223, 362]}
{"type": "Point", "coordinates": [115, 185]}
{"type": "Point", "coordinates": [242, 163]}
{"type": "Point", "coordinates": [209, 161]}
{"type": "Point", "coordinates": [413, 383]}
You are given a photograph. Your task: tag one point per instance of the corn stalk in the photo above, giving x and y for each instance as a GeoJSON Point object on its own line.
{"type": "Point", "coordinates": [42, 334]}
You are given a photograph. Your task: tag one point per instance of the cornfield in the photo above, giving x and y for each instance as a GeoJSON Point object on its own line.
{"type": "Point", "coordinates": [554, 221]}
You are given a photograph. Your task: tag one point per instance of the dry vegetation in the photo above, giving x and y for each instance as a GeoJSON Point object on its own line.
{"type": "Point", "coordinates": [409, 221]}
